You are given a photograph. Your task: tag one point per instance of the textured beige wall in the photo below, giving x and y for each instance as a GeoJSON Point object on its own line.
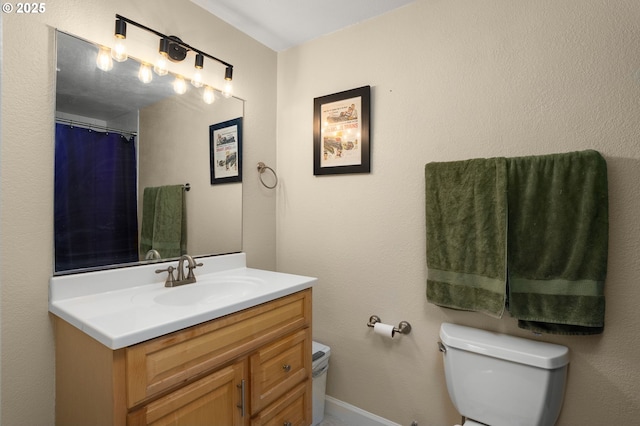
{"type": "Point", "coordinates": [26, 156]}
{"type": "Point", "coordinates": [453, 80]}
{"type": "Point", "coordinates": [172, 153]}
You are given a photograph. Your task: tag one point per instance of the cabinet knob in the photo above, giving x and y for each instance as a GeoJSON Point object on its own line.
{"type": "Point", "coordinates": [286, 368]}
{"type": "Point", "coordinates": [287, 424]}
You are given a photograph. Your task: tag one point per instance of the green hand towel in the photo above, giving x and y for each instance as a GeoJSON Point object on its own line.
{"type": "Point", "coordinates": [164, 221]}
{"type": "Point", "coordinates": [169, 236]}
{"type": "Point", "coordinates": [466, 221]}
{"type": "Point", "coordinates": [558, 242]}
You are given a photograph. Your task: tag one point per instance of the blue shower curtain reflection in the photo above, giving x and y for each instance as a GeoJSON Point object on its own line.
{"type": "Point", "coordinates": [95, 198]}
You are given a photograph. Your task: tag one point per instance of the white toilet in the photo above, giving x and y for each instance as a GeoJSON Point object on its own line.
{"type": "Point", "coordinates": [499, 380]}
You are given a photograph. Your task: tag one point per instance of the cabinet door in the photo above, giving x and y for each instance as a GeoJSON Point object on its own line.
{"type": "Point", "coordinates": [215, 400]}
{"type": "Point", "coordinates": [293, 409]}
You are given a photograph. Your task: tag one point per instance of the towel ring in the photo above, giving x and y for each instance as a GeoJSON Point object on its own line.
{"type": "Point", "coordinates": [261, 168]}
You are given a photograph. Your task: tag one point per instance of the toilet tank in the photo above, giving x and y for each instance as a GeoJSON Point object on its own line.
{"type": "Point", "coordinates": [503, 380]}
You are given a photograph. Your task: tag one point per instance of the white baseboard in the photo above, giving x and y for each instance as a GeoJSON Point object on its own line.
{"type": "Point", "coordinates": [352, 415]}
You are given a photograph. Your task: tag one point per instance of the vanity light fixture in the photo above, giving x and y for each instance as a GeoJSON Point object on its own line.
{"type": "Point", "coordinates": [144, 73]}
{"type": "Point", "coordinates": [179, 85]}
{"type": "Point", "coordinates": [228, 76]}
{"type": "Point", "coordinates": [208, 96]}
{"type": "Point", "coordinates": [104, 60]}
{"type": "Point", "coordinates": [197, 75]}
{"type": "Point", "coordinates": [119, 51]}
{"type": "Point", "coordinates": [173, 49]}
{"type": "Point", "coordinates": [160, 66]}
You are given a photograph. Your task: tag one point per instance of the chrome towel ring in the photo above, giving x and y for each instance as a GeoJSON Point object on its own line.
{"type": "Point", "coordinates": [261, 169]}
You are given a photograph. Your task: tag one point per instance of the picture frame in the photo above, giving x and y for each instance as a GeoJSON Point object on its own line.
{"type": "Point", "coordinates": [225, 151]}
{"type": "Point", "coordinates": [341, 132]}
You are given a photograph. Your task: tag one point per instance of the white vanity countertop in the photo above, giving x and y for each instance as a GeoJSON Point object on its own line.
{"type": "Point", "coordinates": [122, 307]}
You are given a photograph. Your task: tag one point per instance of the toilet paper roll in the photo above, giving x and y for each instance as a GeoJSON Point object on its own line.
{"type": "Point", "coordinates": [385, 330]}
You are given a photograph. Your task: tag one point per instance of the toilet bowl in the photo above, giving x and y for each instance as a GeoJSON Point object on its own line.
{"type": "Point", "coordinates": [499, 380]}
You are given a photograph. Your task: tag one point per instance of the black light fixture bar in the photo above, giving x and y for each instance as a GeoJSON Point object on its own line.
{"type": "Point", "coordinates": [175, 40]}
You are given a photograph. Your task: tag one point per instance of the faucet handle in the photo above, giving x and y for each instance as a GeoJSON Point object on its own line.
{"type": "Point", "coordinates": [170, 279]}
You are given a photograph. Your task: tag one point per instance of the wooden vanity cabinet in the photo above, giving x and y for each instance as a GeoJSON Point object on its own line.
{"type": "Point", "coordinates": [255, 362]}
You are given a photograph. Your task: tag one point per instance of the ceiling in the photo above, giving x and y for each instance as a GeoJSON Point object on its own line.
{"type": "Point", "coordinates": [281, 24]}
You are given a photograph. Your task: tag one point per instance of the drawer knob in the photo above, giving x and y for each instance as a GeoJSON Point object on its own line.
{"type": "Point", "coordinates": [287, 424]}
{"type": "Point", "coordinates": [286, 368]}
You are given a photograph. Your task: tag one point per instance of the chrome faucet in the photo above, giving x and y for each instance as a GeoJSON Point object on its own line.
{"type": "Point", "coordinates": [152, 255]}
{"type": "Point", "coordinates": [191, 265]}
{"type": "Point", "coordinates": [181, 279]}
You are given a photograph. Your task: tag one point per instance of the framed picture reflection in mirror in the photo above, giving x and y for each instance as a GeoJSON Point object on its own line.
{"type": "Point", "coordinates": [225, 145]}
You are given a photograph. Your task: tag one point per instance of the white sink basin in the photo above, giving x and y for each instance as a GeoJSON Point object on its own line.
{"type": "Point", "coordinates": [212, 290]}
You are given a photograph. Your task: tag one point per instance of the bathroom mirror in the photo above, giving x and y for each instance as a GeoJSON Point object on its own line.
{"type": "Point", "coordinates": [166, 136]}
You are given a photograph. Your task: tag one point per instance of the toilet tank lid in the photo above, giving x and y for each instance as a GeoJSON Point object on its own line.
{"type": "Point", "coordinates": [511, 348]}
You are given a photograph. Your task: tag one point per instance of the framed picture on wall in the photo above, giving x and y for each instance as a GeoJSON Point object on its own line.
{"type": "Point", "coordinates": [225, 146]}
{"type": "Point", "coordinates": [341, 141]}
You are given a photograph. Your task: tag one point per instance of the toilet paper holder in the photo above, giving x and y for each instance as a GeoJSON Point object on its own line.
{"type": "Point", "coordinates": [403, 328]}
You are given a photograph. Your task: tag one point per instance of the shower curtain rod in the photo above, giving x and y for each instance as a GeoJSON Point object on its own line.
{"type": "Point", "coordinates": [91, 126]}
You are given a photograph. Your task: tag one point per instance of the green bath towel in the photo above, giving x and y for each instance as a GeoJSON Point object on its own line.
{"type": "Point", "coordinates": [558, 242]}
{"type": "Point", "coordinates": [163, 221]}
{"type": "Point", "coordinates": [544, 219]}
{"type": "Point", "coordinates": [466, 217]}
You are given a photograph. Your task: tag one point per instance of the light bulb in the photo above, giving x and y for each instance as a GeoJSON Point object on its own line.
{"type": "Point", "coordinates": [209, 95]}
{"type": "Point", "coordinates": [179, 85]}
{"type": "Point", "coordinates": [197, 75]}
{"type": "Point", "coordinates": [228, 88]}
{"type": "Point", "coordinates": [161, 65]}
{"type": "Point", "coordinates": [144, 73]}
{"type": "Point", "coordinates": [103, 60]}
{"type": "Point", "coordinates": [197, 79]}
{"type": "Point", "coordinates": [119, 51]}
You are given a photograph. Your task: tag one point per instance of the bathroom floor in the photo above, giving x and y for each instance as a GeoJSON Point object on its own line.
{"type": "Point", "coordinates": [331, 421]}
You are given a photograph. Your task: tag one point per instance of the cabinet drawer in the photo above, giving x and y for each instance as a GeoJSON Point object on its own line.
{"type": "Point", "coordinates": [277, 368]}
{"type": "Point", "coordinates": [293, 409]}
{"type": "Point", "coordinates": [211, 401]}
{"type": "Point", "coordinates": [160, 364]}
